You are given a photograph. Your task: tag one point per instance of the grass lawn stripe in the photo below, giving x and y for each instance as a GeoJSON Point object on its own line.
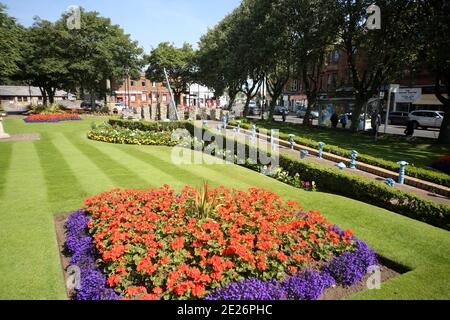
{"type": "Point", "coordinates": [5, 161]}
{"type": "Point", "coordinates": [90, 176]}
{"type": "Point", "coordinates": [29, 263]}
{"type": "Point", "coordinates": [217, 174]}
{"type": "Point", "coordinates": [62, 183]}
{"type": "Point", "coordinates": [118, 172]}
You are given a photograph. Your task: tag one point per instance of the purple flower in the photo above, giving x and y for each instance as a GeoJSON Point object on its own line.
{"type": "Point", "coordinates": [307, 285]}
{"type": "Point", "coordinates": [350, 268]}
{"type": "Point", "coordinates": [250, 289]}
{"type": "Point", "coordinates": [79, 244]}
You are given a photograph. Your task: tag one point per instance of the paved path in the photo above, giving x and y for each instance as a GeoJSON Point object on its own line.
{"type": "Point", "coordinates": [331, 164]}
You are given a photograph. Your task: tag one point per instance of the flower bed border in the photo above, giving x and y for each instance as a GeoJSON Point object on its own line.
{"type": "Point", "coordinates": [302, 286]}
{"type": "Point", "coordinates": [52, 118]}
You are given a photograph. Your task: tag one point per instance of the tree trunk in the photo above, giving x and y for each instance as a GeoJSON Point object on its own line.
{"type": "Point", "coordinates": [51, 95]}
{"type": "Point", "coordinates": [44, 96]}
{"type": "Point", "coordinates": [312, 102]}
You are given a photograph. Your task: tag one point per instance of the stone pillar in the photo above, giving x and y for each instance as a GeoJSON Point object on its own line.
{"type": "Point", "coordinates": [154, 112]}
{"type": "Point", "coordinates": [181, 113]}
{"type": "Point", "coordinates": [147, 113]}
{"type": "Point", "coordinates": [3, 134]}
{"type": "Point", "coordinates": [193, 113]}
{"type": "Point", "coordinates": [163, 111]}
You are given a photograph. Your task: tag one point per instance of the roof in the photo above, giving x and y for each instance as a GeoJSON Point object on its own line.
{"type": "Point", "coordinates": [25, 91]}
{"type": "Point", "coordinates": [428, 100]}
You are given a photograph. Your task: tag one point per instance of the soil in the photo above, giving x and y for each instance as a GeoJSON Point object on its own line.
{"type": "Point", "coordinates": [60, 220]}
{"type": "Point", "coordinates": [335, 293]}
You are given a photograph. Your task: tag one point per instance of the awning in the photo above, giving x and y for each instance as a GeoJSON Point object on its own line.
{"type": "Point", "coordinates": [428, 100]}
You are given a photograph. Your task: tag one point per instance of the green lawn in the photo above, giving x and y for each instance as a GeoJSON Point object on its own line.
{"type": "Point", "coordinates": [42, 178]}
{"type": "Point", "coordinates": [421, 152]}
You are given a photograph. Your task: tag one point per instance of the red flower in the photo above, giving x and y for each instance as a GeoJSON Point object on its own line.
{"type": "Point", "coordinates": [177, 244]}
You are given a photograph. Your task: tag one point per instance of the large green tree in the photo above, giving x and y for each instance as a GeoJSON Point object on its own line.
{"type": "Point", "coordinates": [44, 64]}
{"type": "Point", "coordinates": [375, 57]}
{"type": "Point", "coordinates": [178, 62]}
{"type": "Point", "coordinates": [11, 35]}
{"type": "Point", "coordinates": [98, 51]}
{"type": "Point", "coordinates": [433, 43]}
{"type": "Point", "coordinates": [313, 29]}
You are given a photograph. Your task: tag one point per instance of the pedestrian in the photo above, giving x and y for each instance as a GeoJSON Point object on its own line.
{"type": "Point", "coordinates": [334, 120]}
{"type": "Point", "coordinates": [375, 122]}
{"type": "Point", "coordinates": [344, 121]}
{"type": "Point", "coordinates": [410, 127]}
{"type": "Point", "coordinates": [284, 115]}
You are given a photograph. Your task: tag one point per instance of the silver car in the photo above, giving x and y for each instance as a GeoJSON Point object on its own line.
{"type": "Point", "coordinates": [426, 119]}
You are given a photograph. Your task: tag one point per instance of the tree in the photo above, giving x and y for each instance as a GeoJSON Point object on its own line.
{"type": "Point", "coordinates": [375, 57]}
{"type": "Point", "coordinates": [98, 51]}
{"type": "Point", "coordinates": [44, 64]}
{"type": "Point", "coordinates": [179, 64]}
{"type": "Point", "coordinates": [433, 31]}
{"type": "Point", "coordinates": [313, 27]}
{"type": "Point", "coordinates": [11, 45]}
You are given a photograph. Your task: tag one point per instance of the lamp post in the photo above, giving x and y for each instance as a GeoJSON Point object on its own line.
{"type": "Point", "coordinates": [393, 88]}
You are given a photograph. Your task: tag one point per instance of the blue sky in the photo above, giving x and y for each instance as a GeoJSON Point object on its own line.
{"type": "Point", "coordinates": [148, 21]}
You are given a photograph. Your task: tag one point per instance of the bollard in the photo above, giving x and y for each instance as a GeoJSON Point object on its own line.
{"type": "Point", "coordinates": [353, 156]}
{"type": "Point", "coordinates": [238, 127]}
{"type": "Point", "coordinates": [401, 177]}
{"type": "Point", "coordinates": [254, 133]}
{"type": "Point", "coordinates": [303, 154]}
{"type": "Point", "coordinates": [341, 166]}
{"type": "Point", "coordinates": [224, 119]}
{"type": "Point", "coordinates": [390, 182]}
{"type": "Point", "coordinates": [321, 145]}
{"type": "Point", "coordinates": [291, 140]}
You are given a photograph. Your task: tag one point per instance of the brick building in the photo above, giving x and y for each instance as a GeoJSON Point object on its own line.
{"type": "Point", "coordinates": [140, 92]}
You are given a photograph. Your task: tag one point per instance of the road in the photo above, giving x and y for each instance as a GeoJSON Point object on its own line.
{"type": "Point", "coordinates": [396, 130]}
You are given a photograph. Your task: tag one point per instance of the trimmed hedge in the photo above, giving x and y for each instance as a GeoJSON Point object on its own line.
{"type": "Point", "coordinates": [339, 182]}
{"type": "Point", "coordinates": [150, 125]}
{"type": "Point", "coordinates": [419, 173]}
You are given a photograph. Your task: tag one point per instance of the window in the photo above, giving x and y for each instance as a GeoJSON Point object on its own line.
{"type": "Point", "coordinates": [154, 84]}
{"type": "Point", "coordinates": [154, 97]}
{"type": "Point", "coordinates": [144, 97]}
{"type": "Point", "coordinates": [164, 98]}
{"type": "Point", "coordinates": [132, 83]}
{"type": "Point", "coordinates": [294, 85]}
{"type": "Point", "coordinates": [133, 98]}
{"type": "Point", "coordinates": [144, 83]}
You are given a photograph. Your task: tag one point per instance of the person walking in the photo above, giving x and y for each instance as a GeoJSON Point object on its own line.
{"type": "Point", "coordinates": [284, 115]}
{"type": "Point", "coordinates": [344, 121]}
{"type": "Point", "coordinates": [334, 120]}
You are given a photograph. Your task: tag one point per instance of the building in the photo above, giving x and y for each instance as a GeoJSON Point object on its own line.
{"type": "Point", "coordinates": [293, 96]}
{"type": "Point", "coordinates": [20, 98]}
{"type": "Point", "coordinates": [201, 96]}
{"type": "Point", "coordinates": [140, 92]}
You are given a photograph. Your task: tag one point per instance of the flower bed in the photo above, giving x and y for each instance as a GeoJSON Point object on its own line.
{"type": "Point", "coordinates": [208, 244]}
{"type": "Point", "coordinates": [442, 164]}
{"type": "Point", "coordinates": [51, 117]}
{"type": "Point", "coordinates": [120, 135]}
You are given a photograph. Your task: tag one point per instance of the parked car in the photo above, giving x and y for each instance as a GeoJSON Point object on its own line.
{"type": "Point", "coordinates": [253, 109]}
{"type": "Point", "coordinates": [302, 112]}
{"type": "Point", "coordinates": [85, 105]}
{"type": "Point", "coordinates": [426, 119]}
{"type": "Point", "coordinates": [278, 110]}
{"type": "Point", "coordinates": [398, 118]}
{"type": "Point", "coordinates": [120, 107]}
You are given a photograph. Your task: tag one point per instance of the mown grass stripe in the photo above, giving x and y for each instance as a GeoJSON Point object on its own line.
{"type": "Point", "coordinates": [90, 175]}
{"type": "Point", "coordinates": [5, 161]}
{"type": "Point", "coordinates": [118, 172]}
{"type": "Point", "coordinates": [29, 261]}
{"type": "Point", "coordinates": [62, 182]}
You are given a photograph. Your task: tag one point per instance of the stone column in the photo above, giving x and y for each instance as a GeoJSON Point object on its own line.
{"type": "Point", "coordinates": [181, 113]}
{"type": "Point", "coordinates": [3, 134]}
{"type": "Point", "coordinates": [163, 111]}
{"type": "Point", "coordinates": [154, 111]}
{"type": "Point", "coordinates": [193, 113]}
{"type": "Point", "coordinates": [147, 113]}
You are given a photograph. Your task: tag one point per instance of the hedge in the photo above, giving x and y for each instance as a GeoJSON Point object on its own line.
{"type": "Point", "coordinates": [339, 182]}
{"type": "Point", "coordinates": [419, 173]}
{"type": "Point", "coordinates": [150, 125]}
